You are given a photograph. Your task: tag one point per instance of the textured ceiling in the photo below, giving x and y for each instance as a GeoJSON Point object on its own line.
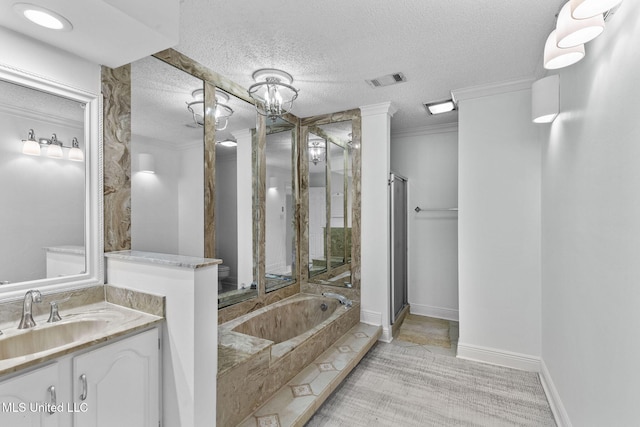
{"type": "Point", "coordinates": [331, 47]}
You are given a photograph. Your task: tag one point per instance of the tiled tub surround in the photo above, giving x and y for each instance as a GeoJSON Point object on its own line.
{"type": "Point", "coordinates": [260, 352]}
{"type": "Point", "coordinates": [119, 311]}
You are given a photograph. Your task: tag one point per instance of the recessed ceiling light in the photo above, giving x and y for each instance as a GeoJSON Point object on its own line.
{"type": "Point", "coordinates": [43, 17]}
{"type": "Point", "coordinates": [440, 107]}
{"type": "Point", "coordinates": [228, 143]}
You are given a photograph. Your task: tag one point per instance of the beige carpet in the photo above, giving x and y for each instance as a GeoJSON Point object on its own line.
{"type": "Point", "coordinates": [425, 331]}
{"type": "Point", "coordinates": [399, 386]}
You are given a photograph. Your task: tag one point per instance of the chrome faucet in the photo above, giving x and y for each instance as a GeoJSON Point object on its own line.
{"type": "Point", "coordinates": [27, 319]}
{"type": "Point", "coordinates": [343, 300]}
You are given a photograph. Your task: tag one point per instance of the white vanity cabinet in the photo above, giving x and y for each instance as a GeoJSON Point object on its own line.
{"type": "Point", "coordinates": [23, 398]}
{"type": "Point", "coordinates": [117, 385]}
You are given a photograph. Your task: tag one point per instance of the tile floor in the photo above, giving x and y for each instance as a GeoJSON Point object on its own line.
{"type": "Point", "coordinates": [453, 336]}
{"type": "Point", "coordinates": [296, 402]}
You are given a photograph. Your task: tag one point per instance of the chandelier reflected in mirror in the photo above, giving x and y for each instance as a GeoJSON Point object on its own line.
{"type": "Point", "coordinates": [317, 150]}
{"type": "Point", "coordinates": [222, 110]}
{"type": "Point", "coordinates": [272, 92]}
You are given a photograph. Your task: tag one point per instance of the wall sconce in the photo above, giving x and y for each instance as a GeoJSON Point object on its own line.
{"type": "Point", "coordinates": [272, 92]}
{"type": "Point", "coordinates": [273, 182]}
{"type": "Point", "coordinates": [33, 147]}
{"type": "Point", "coordinates": [222, 110]}
{"type": "Point", "coordinates": [146, 163]}
{"type": "Point", "coordinates": [545, 99]}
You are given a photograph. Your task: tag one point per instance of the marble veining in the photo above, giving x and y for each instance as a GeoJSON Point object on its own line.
{"type": "Point", "coordinates": [163, 259]}
{"type": "Point", "coordinates": [135, 300]}
{"type": "Point", "coordinates": [253, 367]}
{"type": "Point", "coordinates": [84, 305]}
{"type": "Point", "coordinates": [116, 89]}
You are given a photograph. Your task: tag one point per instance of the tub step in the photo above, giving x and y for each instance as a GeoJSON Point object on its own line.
{"type": "Point", "coordinates": [296, 402]}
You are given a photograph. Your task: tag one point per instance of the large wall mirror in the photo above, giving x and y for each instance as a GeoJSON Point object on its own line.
{"type": "Point", "coordinates": [280, 200]}
{"type": "Point", "coordinates": [330, 197]}
{"type": "Point", "coordinates": [167, 162]}
{"type": "Point", "coordinates": [51, 181]}
{"type": "Point", "coordinates": [235, 134]}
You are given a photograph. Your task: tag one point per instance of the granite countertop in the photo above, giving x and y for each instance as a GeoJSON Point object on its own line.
{"type": "Point", "coordinates": [92, 322]}
{"type": "Point", "coordinates": [163, 259]}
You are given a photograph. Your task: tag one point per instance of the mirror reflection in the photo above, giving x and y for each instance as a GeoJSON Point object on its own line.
{"type": "Point", "coordinates": [234, 197]}
{"type": "Point", "coordinates": [280, 223]}
{"type": "Point", "coordinates": [330, 203]}
{"type": "Point", "coordinates": [167, 162]}
{"type": "Point", "coordinates": [42, 180]}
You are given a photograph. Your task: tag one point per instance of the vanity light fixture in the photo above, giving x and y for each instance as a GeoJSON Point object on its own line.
{"type": "Point", "coordinates": [75, 153]}
{"type": "Point", "coordinates": [440, 107]}
{"type": "Point", "coordinates": [272, 92]}
{"type": "Point", "coordinates": [316, 150]}
{"type": "Point", "coordinates": [43, 17]}
{"type": "Point", "coordinates": [54, 147]}
{"type": "Point", "coordinates": [573, 32]}
{"type": "Point", "coordinates": [583, 9]}
{"type": "Point", "coordinates": [222, 110]}
{"type": "Point", "coordinates": [30, 146]}
{"type": "Point", "coordinates": [555, 57]}
{"type": "Point", "coordinates": [33, 147]}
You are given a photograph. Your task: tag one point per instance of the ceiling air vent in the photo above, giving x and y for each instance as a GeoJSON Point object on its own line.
{"type": "Point", "coordinates": [388, 80]}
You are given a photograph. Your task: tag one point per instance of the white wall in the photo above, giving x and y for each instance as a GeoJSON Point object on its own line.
{"type": "Point", "coordinates": [245, 207]}
{"type": "Point", "coordinates": [429, 159]}
{"type": "Point", "coordinates": [30, 55]}
{"type": "Point", "coordinates": [375, 297]}
{"type": "Point", "coordinates": [277, 259]}
{"type": "Point", "coordinates": [191, 202]}
{"type": "Point", "coordinates": [154, 198]}
{"type": "Point", "coordinates": [227, 212]}
{"type": "Point", "coordinates": [167, 211]}
{"type": "Point", "coordinates": [591, 231]}
{"type": "Point", "coordinates": [499, 230]}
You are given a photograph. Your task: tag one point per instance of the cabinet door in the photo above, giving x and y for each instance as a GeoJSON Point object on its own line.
{"type": "Point", "coordinates": [117, 385]}
{"type": "Point", "coordinates": [28, 399]}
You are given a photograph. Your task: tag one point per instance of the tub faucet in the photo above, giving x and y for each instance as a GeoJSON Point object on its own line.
{"type": "Point", "coordinates": [343, 300]}
{"type": "Point", "coordinates": [27, 319]}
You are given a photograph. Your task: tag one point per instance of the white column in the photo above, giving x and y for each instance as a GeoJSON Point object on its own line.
{"type": "Point", "coordinates": [245, 207]}
{"type": "Point", "coordinates": [376, 254]}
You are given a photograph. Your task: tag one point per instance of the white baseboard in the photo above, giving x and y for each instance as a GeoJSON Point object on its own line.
{"type": "Point", "coordinates": [375, 318]}
{"type": "Point", "coordinates": [559, 413]}
{"type": "Point", "coordinates": [494, 356]}
{"type": "Point", "coordinates": [431, 311]}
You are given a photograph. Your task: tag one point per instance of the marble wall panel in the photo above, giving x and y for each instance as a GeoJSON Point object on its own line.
{"type": "Point", "coordinates": [356, 142]}
{"type": "Point", "coordinates": [116, 90]}
{"type": "Point", "coordinates": [209, 171]}
{"type": "Point", "coordinates": [303, 204]}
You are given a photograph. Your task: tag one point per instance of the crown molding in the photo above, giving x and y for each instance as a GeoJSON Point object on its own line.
{"type": "Point", "coordinates": [491, 89]}
{"type": "Point", "coordinates": [375, 109]}
{"type": "Point", "coordinates": [426, 130]}
{"type": "Point", "coordinates": [52, 119]}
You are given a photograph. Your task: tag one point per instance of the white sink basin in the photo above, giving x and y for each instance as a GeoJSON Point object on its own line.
{"type": "Point", "coordinates": [48, 337]}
